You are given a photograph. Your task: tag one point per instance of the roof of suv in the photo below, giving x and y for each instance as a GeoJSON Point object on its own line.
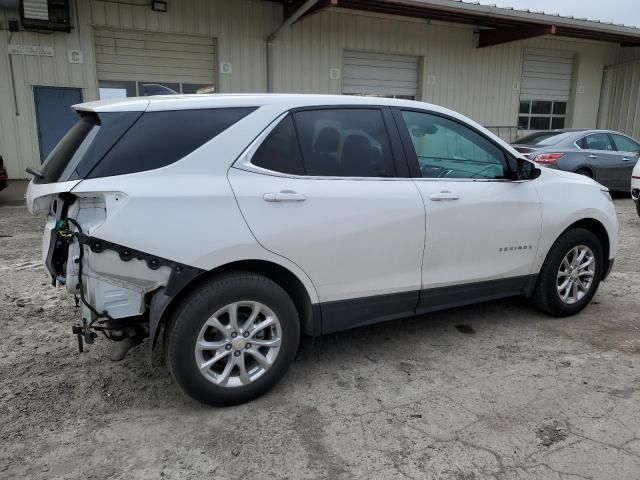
{"type": "Point", "coordinates": [217, 100]}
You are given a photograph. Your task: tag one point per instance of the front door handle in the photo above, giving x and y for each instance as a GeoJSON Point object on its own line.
{"type": "Point", "coordinates": [626, 159]}
{"type": "Point", "coordinates": [439, 197]}
{"type": "Point", "coordinates": [593, 156]}
{"type": "Point", "coordinates": [284, 196]}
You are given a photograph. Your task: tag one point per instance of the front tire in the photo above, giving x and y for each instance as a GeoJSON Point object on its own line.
{"type": "Point", "coordinates": [571, 273]}
{"type": "Point", "coordinates": [232, 339]}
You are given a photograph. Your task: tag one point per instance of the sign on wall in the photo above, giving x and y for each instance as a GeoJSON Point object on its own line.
{"type": "Point", "coordinates": [36, 50]}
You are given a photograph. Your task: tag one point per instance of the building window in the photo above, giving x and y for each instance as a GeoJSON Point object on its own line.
{"type": "Point", "coordinates": [542, 114]}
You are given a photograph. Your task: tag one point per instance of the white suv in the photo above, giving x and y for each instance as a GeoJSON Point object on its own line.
{"type": "Point", "coordinates": [239, 222]}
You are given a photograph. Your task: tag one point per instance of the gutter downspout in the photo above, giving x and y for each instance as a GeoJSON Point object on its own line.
{"type": "Point", "coordinates": [271, 38]}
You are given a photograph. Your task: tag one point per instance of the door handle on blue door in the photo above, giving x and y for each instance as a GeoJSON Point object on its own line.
{"type": "Point", "coordinates": [284, 196]}
{"type": "Point", "coordinates": [438, 197]}
{"type": "Point", "coordinates": [593, 156]}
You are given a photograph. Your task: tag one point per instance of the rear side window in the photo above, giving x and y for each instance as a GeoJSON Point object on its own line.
{"type": "Point", "coordinates": [597, 141]}
{"type": "Point", "coordinates": [347, 142]}
{"type": "Point", "coordinates": [280, 151]}
{"type": "Point", "coordinates": [158, 139]}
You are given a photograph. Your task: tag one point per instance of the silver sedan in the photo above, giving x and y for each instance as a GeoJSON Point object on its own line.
{"type": "Point", "coordinates": [606, 156]}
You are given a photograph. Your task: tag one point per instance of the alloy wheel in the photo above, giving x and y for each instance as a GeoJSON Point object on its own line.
{"type": "Point", "coordinates": [238, 344]}
{"type": "Point", "coordinates": [576, 274]}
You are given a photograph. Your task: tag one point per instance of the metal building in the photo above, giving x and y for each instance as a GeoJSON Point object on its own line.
{"type": "Point", "coordinates": [510, 70]}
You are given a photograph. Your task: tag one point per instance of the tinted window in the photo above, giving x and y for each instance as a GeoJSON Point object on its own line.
{"type": "Point", "coordinates": [350, 142]}
{"type": "Point", "coordinates": [625, 144]}
{"type": "Point", "coordinates": [540, 123]}
{"type": "Point", "coordinates": [158, 139]}
{"type": "Point", "coordinates": [539, 106]}
{"type": "Point", "coordinates": [447, 149]}
{"type": "Point", "coordinates": [597, 141]}
{"type": "Point", "coordinates": [66, 148]}
{"type": "Point", "coordinates": [280, 151]}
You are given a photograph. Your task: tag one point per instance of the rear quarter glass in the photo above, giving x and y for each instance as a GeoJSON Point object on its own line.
{"type": "Point", "coordinates": [115, 143]}
{"type": "Point", "coordinates": [158, 139]}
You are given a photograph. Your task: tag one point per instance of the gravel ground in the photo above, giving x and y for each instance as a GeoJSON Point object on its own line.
{"type": "Point", "coordinates": [496, 390]}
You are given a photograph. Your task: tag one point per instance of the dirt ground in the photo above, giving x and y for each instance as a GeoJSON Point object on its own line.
{"type": "Point", "coordinates": [496, 390]}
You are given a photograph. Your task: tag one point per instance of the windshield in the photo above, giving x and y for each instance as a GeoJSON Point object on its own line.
{"type": "Point", "coordinates": [543, 138]}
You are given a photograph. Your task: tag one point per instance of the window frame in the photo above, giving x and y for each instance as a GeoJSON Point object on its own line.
{"type": "Point", "coordinates": [412, 157]}
{"type": "Point", "coordinates": [550, 116]}
{"type": "Point", "coordinates": [396, 149]}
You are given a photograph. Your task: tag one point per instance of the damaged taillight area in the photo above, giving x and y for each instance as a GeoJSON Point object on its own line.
{"type": "Point", "coordinates": [112, 281]}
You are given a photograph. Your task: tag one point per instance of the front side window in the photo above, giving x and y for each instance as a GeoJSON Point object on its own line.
{"type": "Point", "coordinates": [625, 144]}
{"type": "Point", "coordinates": [542, 114]}
{"type": "Point", "coordinates": [597, 141]}
{"type": "Point", "coordinates": [346, 142]}
{"type": "Point", "coordinates": [448, 149]}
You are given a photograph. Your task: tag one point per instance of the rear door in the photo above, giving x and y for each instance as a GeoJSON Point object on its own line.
{"type": "Point", "coordinates": [482, 228]}
{"type": "Point", "coordinates": [602, 157]}
{"type": "Point", "coordinates": [325, 189]}
{"type": "Point", "coordinates": [627, 151]}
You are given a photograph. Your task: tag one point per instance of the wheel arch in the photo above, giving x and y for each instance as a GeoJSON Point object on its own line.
{"type": "Point", "coordinates": [162, 306]}
{"type": "Point", "coordinates": [586, 168]}
{"type": "Point", "coordinates": [599, 230]}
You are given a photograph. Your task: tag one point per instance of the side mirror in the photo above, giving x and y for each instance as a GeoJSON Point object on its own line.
{"type": "Point", "coordinates": [525, 170]}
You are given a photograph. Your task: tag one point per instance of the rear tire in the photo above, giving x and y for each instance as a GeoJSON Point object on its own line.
{"type": "Point", "coordinates": [567, 262]}
{"type": "Point", "coordinates": [232, 339]}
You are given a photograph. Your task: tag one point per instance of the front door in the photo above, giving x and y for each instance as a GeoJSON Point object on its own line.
{"type": "Point", "coordinates": [482, 229]}
{"type": "Point", "coordinates": [627, 151]}
{"type": "Point", "coordinates": [54, 116]}
{"type": "Point", "coordinates": [333, 204]}
{"type": "Point", "coordinates": [602, 157]}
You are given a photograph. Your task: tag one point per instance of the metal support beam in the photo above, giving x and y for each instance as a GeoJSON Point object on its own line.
{"type": "Point", "coordinates": [497, 36]}
{"type": "Point", "coordinates": [290, 18]}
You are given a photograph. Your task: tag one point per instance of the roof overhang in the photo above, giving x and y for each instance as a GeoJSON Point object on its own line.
{"type": "Point", "coordinates": [498, 25]}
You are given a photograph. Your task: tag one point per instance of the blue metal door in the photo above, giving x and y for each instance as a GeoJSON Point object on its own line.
{"type": "Point", "coordinates": [54, 115]}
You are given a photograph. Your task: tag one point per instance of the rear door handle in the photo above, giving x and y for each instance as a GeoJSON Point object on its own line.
{"type": "Point", "coordinates": [439, 197]}
{"type": "Point", "coordinates": [626, 159]}
{"type": "Point", "coordinates": [593, 156]}
{"type": "Point", "coordinates": [284, 196]}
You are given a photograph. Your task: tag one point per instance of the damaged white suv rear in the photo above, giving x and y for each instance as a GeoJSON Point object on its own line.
{"type": "Point", "coordinates": [234, 224]}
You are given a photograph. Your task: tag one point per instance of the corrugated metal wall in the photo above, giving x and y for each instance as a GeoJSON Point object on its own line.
{"type": "Point", "coordinates": [476, 82]}
{"type": "Point", "coordinates": [239, 26]}
{"type": "Point", "coordinates": [452, 72]}
{"type": "Point", "coordinates": [620, 102]}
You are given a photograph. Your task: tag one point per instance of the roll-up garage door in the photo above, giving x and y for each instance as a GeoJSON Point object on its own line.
{"type": "Point", "coordinates": [131, 58]}
{"type": "Point", "coordinates": [546, 75]}
{"type": "Point", "coordinates": [365, 73]}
